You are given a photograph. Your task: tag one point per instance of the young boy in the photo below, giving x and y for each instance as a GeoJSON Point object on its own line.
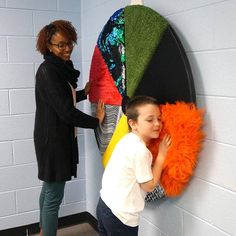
{"type": "Point", "coordinates": [129, 173]}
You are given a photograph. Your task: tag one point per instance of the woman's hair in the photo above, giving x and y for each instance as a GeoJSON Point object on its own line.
{"type": "Point", "coordinates": [131, 110]}
{"type": "Point", "coordinates": [45, 34]}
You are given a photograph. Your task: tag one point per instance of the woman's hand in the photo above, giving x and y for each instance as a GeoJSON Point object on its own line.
{"type": "Point", "coordinates": [87, 88]}
{"type": "Point", "coordinates": [100, 113]}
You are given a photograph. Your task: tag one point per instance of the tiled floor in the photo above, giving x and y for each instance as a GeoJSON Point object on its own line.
{"type": "Point", "coordinates": [77, 230]}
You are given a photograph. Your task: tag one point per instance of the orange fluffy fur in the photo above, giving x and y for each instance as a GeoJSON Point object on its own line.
{"type": "Point", "coordinates": [183, 121]}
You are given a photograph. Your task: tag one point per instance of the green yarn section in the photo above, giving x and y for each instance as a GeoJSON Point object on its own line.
{"type": "Point", "coordinates": [143, 31]}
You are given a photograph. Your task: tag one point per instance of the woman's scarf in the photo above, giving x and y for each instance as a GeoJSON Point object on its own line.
{"type": "Point", "coordinates": [66, 68]}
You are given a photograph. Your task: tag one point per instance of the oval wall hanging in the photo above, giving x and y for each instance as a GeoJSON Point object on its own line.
{"type": "Point", "coordinates": [139, 53]}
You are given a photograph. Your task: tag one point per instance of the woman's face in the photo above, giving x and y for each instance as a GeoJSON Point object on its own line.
{"type": "Point", "coordinates": [61, 46]}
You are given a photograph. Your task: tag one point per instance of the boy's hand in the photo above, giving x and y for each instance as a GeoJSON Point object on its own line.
{"type": "Point", "coordinates": [164, 147]}
{"type": "Point", "coordinates": [100, 113]}
{"type": "Point", "coordinates": [158, 164]}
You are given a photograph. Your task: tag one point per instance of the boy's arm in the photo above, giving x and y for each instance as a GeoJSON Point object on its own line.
{"type": "Point", "coordinates": [156, 171]}
{"type": "Point", "coordinates": [158, 164]}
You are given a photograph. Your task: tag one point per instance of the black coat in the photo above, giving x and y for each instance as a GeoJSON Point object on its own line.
{"type": "Point", "coordinates": [55, 118]}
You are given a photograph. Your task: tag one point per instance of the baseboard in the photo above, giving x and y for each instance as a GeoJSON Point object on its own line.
{"type": "Point", "coordinates": [83, 217]}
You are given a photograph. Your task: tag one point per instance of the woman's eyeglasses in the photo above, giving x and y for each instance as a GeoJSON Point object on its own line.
{"type": "Point", "coordinates": [63, 45]}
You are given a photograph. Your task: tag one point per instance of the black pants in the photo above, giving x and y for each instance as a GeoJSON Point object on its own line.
{"type": "Point", "coordinates": [110, 225]}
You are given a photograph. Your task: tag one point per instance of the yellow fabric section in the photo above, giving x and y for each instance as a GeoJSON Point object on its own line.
{"type": "Point", "coordinates": [122, 129]}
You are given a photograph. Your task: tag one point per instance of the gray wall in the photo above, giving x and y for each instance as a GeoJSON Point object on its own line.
{"type": "Point", "coordinates": [19, 186]}
{"type": "Point", "coordinates": [207, 31]}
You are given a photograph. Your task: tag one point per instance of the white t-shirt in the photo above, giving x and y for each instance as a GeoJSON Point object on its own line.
{"type": "Point", "coordinates": [129, 165]}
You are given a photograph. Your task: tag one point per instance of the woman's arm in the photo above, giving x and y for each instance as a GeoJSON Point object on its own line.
{"type": "Point", "coordinates": [55, 92]}
{"type": "Point", "coordinates": [82, 94]}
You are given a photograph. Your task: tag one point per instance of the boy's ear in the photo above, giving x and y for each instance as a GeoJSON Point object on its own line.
{"type": "Point", "coordinates": [132, 124]}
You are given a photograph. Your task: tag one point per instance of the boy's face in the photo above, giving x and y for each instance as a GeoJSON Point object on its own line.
{"type": "Point", "coordinates": [148, 124]}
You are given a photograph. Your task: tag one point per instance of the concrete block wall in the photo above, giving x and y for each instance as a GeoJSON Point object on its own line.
{"type": "Point", "coordinates": [207, 31]}
{"type": "Point", "coordinates": [19, 60]}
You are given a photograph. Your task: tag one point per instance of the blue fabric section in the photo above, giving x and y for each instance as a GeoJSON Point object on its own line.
{"type": "Point", "coordinates": [112, 47]}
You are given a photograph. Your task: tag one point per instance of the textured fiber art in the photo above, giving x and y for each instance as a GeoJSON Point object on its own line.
{"type": "Point", "coordinates": [183, 121]}
{"type": "Point", "coordinates": [138, 53]}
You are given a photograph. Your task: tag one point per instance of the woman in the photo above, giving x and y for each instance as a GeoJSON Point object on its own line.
{"type": "Point", "coordinates": [56, 118]}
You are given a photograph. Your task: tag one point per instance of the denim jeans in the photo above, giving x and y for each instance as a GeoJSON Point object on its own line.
{"type": "Point", "coordinates": [110, 225]}
{"type": "Point", "coordinates": [49, 202]}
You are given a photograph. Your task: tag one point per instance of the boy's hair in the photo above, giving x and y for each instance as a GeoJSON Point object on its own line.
{"type": "Point", "coordinates": [131, 110]}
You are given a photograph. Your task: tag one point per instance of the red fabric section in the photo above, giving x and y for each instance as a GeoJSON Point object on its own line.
{"type": "Point", "coordinates": [102, 86]}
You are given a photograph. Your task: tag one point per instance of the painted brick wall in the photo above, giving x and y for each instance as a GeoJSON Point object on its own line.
{"type": "Point", "coordinates": [207, 31]}
{"type": "Point", "coordinates": [19, 185]}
